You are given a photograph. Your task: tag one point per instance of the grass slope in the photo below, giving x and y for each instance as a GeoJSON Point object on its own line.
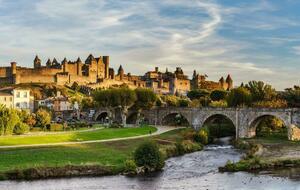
{"type": "Point", "coordinates": [112, 154]}
{"type": "Point", "coordinates": [100, 134]}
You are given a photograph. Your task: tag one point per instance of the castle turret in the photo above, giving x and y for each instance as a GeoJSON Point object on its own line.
{"type": "Point", "coordinates": [222, 81]}
{"type": "Point", "coordinates": [79, 66]}
{"type": "Point", "coordinates": [229, 82]}
{"type": "Point", "coordinates": [106, 63]}
{"type": "Point", "coordinates": [194, 74]}
{"type": "Point", "coordinates": [121, 72]}
{"type": "Point", "coordinates": [37, 62]}
{"type": "Point", "coordinates": [55, 62]}
{"type": "Point", "coordinates": [48, 63]}
{"type": "Point", "coordinates": [64, 64]}
{"type": "Point", "coordinates": [90, 59]}
{"type": "Point", "coordinates": [13, 66]}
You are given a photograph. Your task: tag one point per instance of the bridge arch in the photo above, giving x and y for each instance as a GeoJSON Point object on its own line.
{"type": "Point", "coordinates": [102, 114]}
{"type": "Point", "coordinates": [132, 118]}
{"type": "Point", "coordinates": [254, 122]}
{"type": "Point", "coordinates": [175, 118]}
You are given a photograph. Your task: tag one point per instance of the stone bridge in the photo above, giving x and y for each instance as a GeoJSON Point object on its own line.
{"type": "Point", "coordinates": [245, 120]}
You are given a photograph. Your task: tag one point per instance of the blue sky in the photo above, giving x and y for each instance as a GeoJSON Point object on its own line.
{"type": "Point", "coordinates": [250, 39]}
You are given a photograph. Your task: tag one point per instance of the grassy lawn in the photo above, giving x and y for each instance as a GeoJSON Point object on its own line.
{"type": "Point", "coordinates": [111, 154]}
{"type": "Point", "coordinates": [100, 134]}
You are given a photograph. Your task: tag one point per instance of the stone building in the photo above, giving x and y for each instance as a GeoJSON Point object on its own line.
{"type": "Point", "coordinates": [167, 82]}
{"type": "Point", "coordinates": [199, 82]}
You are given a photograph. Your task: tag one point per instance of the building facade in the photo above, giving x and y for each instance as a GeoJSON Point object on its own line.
{"type": "Point", "coordinates": [17, 98]}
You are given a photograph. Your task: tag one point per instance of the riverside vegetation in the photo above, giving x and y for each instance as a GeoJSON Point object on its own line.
{"type": "Point", "coordinates": [94, 159]}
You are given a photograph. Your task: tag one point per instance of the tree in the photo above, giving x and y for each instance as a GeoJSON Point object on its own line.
{"type": "Point", "coordinates": [146, 99]}
{"type": "Point", "coordinates": [121, 98]}
{"type": "Point", "coordinates": [8, 120]}
{"type": "Point", "coordinates": [27, 118]}
{"type": "Point", "coordinates": [170, 100]}
{"type": "Point", "coordinates": [196, 94]}
{"type": "Point", "coordinates": [147, 155]}
{"type": "Point", "coordinates": [218, 95]}
{"type": "Point", "coordinates": [239, 97]}
{"type": "Point", "coordinates": [43, 118]}
{"type": "Point", "coordinates": [261, 91]}
{"type": "Point", "coordinates": [292, 96]}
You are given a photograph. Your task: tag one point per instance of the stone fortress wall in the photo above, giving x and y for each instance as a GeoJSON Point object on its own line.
{"type": "Point", "coordinates": [95, 72]}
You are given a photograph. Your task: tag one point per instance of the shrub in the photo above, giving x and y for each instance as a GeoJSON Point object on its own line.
{"type": "Point", "coordinates": [183, 103]}
{"type": "Point", "coordinates": [56, 127]}
{"type": "Point", "coordinates": [202, 136]}
{"type": "Point", "coordinates": [130, 167]}
{"type": "Point", "coordinates": [218, 104]}
{"type": "Point", "coordinates": [179, 148]}
{"type": "Point", "coordinates": [36, 129]}
{"type": "Point", "coordinates": [43, 118]}
{"type": "Point", "coordinates": [218, 95]}
{"type": "Point", "coordinates": [147, 155]}
{"type": "Point", "coordinates": [189, 146]}
{"type": "Point", "coordinates": [21, 128]}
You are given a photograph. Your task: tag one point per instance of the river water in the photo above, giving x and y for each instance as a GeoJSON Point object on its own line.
{"type": "Point", "coordinates": [197, 171]}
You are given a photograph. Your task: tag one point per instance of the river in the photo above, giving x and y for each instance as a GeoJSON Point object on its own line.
{"type": "Point", "coordinates": [197, 171]}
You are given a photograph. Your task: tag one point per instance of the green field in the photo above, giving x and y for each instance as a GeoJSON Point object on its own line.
{"type": "Point", "coordinates": [100, 134]}
{"type": "Point", "coordinates": [112, 154]}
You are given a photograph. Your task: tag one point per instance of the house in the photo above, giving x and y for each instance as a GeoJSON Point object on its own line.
{"type": "Point", "coordinates": [18, 98]}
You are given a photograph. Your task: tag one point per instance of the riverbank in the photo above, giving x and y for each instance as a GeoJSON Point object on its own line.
{"type": "Point", "coordinates": [93, 159]}
{"type": "Point", "coordinates": [265, 154]}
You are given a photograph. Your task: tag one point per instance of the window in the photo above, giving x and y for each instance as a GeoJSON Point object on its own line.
{"type": "Point", "coordinates": [10, 99]}
{"type": "Point", "coordinates": [18, 95]}
{"type": "Point", "coordinates": [18, 105]}
{"type": "Point", "coordinates": [5, 99]}
{"type": "Point", "coordinates": [25, 95]}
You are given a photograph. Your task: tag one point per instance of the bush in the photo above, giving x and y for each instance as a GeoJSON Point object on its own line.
{"type": "Point", "coordinates": [43, 118]}
{"type": "Point", "coordinates": [189, 146]}
{"type": "Point", "coordinates": [147, 155]}
{"type": "Point", "coordinates": [218, 95]}
{"type": "Point", "coordinates": [218, 104]}
{"type": "Point", "coordinates": [239, 97]}
{"type": "Point", "coordinates": [130, 167]}
{"type": "Point", "coordinates": [21, 128]}
{"type": "Point", "coordinates": [36, 129]}
{"type": "Point", "coordinates": [183, 103]}
{"type": "Point", "coordinates": [179, 149]}
{"type": "Point", "coordinates": [202, 136]}
{"type": "Point", "coordinates": [56, 127]}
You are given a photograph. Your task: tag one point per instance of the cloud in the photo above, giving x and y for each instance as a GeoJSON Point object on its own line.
{"type": "Point", "coordinates": [143, 34]}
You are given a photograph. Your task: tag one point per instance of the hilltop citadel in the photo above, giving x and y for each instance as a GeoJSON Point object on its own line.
{"type": "Point", "coordinates": [95, 72]}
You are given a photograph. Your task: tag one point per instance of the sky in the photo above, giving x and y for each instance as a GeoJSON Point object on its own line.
{"type": "Point", "coordinates": [249, 39]}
